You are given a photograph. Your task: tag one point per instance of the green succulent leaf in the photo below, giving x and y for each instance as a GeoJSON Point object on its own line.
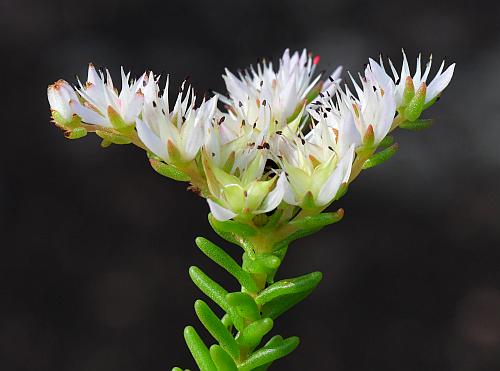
{"type": "Point", "coordinates": [231, 226]}
{"type": "Point", "coordinates": [168, 171]}
{"type": "Point", "coordinates": [220, 257]}
{"type": "Point", "coordinates": [252, 335]}
{"type": "Point", "coordinates": [222, 359]}
{"type": "Point", "coordinates": [216, 328]}
{"type": "Point", "coordinates": [314, 222]}
{"type": "Point", "coordinates": [417, 125]}
{"type": "Point", "coordinates": [209, 287]}
{"type": "Point", "coordinates": [302, 284]}
{"type": "Point", "coordinates": [244, 305]}
{"type": "Point", "coordinates": [198, 350]}
{"type": "Point", "coordinates": [269, 354]}
{"type": "Point", "coordinates": [381, 157]}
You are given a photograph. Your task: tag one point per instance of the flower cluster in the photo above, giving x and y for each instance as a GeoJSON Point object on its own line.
{"type": "Point", "coordinates": [284, 139]}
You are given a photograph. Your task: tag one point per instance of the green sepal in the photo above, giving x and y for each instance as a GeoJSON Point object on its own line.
{"type": "Point", "coordinates": [113, 138]}
{"type": "Point", "coordinates": [252, 335]}
{"type": "Point", "coordinates": [416, 104]}
{"type": "Point", "coordinates": [386, 142]}
{"type": "Point", "coordinates": [220, 257]}
{"type": "Point", "coordinates": [244, 305]}
{"type": "Point", "coordinates": [269, 354]}
{"type": "Point", "coordinates": [65, 124]}
{"type": "Point", "coordinates": [174, 154]}
{"type": "Point", "coordinates": [222, 360]}
{"type": "Point", "coordinates": [198, 350]}
{"type": "Point", "coordinates": [342, 191]}
{"type": "Point", "coordinates": [416, 125]}
{"type": "Point", "coordinates": [228, 166]}
{"type": "Point", "coordinates": [76, 133]}
{"type": "Point", "coordinates": [216, 328]}
{"type": "Point", "coordinates": [368, 140]}
{"type": "Point", "coordinates": [305, 283]}
{"type": "Point", "coordinates": [318, 221]}
{"type": "Point", "coordinates": [273, 220]}
{"type": "Point", "coordinates": [408, 92]}
{"type": "Point", "coordinates": [314, 92]}
{"type": "Point", "coordinates": [168, 170]}
{"type": "Point", "coordinates": [105, 143]}
{"type": "Point", "coordinates": [118, 122]}
{"type": "Point", "coordinates": [380, 157]}
{"type": "Point", "coordinates": [209, 287]}
{"type": "Point", "coordinates": [308, 201]}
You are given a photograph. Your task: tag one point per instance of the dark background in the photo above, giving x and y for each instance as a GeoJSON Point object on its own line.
{"type": "Point", "coordinates": [96, 246]}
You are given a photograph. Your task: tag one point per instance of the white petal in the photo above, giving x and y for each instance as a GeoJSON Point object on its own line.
{"type": "Point", "coordinates": [88, 115]}
{"type": "Point", "coordinates": [151, 140]}
{"type": "Point", "coordinates": [289, 195]}
{"type": "Point", "coordinates": [220, 213]}
{"type": "Point", "coordinates": [274, 197]}
{"type": "Point", "coordinates": [439, 83]}
{"type": "Point", "coordinates": [340, 175]}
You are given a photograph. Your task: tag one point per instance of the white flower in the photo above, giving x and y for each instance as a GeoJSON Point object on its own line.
{"type": "Point", "coordinates": [285, 92]}
{"type": "Point", "coordinates": [103, 106]}
{"type": "Point", "coordinates": [60, 94]}
{"type": "Point", "coordinates": [374, 106]}
{"type": "Point", "coordinates": [175, 136]}
{"type": "Point", "coordinates": [246, 195]}
{"type": "Point", "coordinates": [434, 88]}
{"type": "Point", "coordinates": [315, 167]}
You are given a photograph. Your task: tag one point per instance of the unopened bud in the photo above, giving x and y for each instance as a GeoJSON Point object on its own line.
{"type": "Point", "coordinates": [60, 94]}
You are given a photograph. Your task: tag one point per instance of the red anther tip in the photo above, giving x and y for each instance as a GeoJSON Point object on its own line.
{"type": "Point", "coordinates": [316, 59]}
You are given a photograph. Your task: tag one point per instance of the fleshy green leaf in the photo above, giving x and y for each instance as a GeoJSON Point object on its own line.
{"type": "Point", "coordinates": [216, 328]}
{"type": "Point", "coordinates": [269, 354]}
{"type": "Point", "coordinates": [305, 283]}
{"type": "Point", "coordinates": [416, 125]}
{"type": "Point", "coordinates": [113, 138]}
{"type": "Point", "coordinates": [222, 360]}
{"type": "Point", "coordinates": [386, 142]}
{"type": "Point", "coordinates": [244, 305]}
{"type": "Point", "coordinates": [168, 170]}
{"type": "Point", "coordinates": [232, 226]}
{"type": "Point", "coordinates": [252, 335]}
{"type": "Point", "coordinates": [272, 343]}
{"type": "Point", "coordinates": [209, 287]}
{"type": "Point", "coordinates": [276, 308]}
{"type": "Point", "coordinates": [318, 221]}
{"type": "Point", "coordinates": [381, 156]}
{"type": "Point", "coordinates": [219, 256]}
{"type": "Point", "coordinates": [199, 350]}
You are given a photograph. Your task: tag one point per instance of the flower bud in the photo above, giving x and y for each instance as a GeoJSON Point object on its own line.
{"type": "Point", "coordinates": [60, 95]}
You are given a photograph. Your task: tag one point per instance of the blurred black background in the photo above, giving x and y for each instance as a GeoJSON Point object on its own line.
{"type": "Point", "coordinates": [96, 246]}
